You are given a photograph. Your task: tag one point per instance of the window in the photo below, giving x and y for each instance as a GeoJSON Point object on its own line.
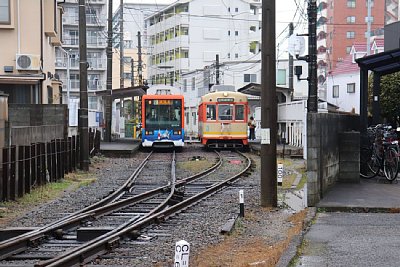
{"type": "Point", "coordinates": [351, 3]}
{"type": "Point", "coordinates": [371, 19]}
{"type": "Point", "coordinates": [229, 55]}
{"type": "Point", "coordinates": [236, 55]}
{"type": "Point", "coordinates": [211, 112]}
{"type": "Point", "coordinates": [5, 12]}
{"type": "Point", "coordinates": [49, 94]}
{"type": "Point", "coordinates": [229, 9]}
{"type": "Point", "coordinates": [239, 112]}
{"type": "Point", "coordinates": [127, 75]}
{"type": "Point", "coordinates": [194, 119]}
{"type": "Point", "coordinates": [351, 19]}
{"type": "Point", "coordinates": [236, 33]}
{"type": "Point", "coordinates": [351, 88]}
{"type": "Point", "coordinates": [281, 77]}
{"type": "Point", "coordinates": [335, 91]}
{"type": "Point", "coordinates": [187, 118]}
{"type": "Point", "coordinates": [350, 35]}
{"type": "Point", "coordinates": [74, 37]}
{"type": "Point", "coordinates": [348, 49]}
{"type": "Point", "coordinates": [185, 85]}
{"type": "Point", "coordinates": [193, 83]}
{"type": "Point", "coordinates": [229, 33]}
{"type": "Point", "coordinates": [250, 78]}
{"type": "Point", "coordinates": [236, 9]}
{"type": "Point", "coordinates": [92, 102]}
{"type": "Point", "coordinates": [225, 112]}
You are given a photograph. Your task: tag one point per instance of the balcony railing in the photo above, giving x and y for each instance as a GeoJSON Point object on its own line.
{"type": "Point", "coordinates": [94, 63]}
{"type": "Point", "coordinates": [97, 20]}
{"type": "Point", "coordinates": [93, 85]}
{"type": "Point", "coordinates": [91, 41]}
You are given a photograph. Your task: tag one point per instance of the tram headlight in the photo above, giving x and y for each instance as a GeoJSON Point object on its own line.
{"type": "Point", "coordinates": [177, 132]}
{"type": "Point", "coordinates": [149, 132]}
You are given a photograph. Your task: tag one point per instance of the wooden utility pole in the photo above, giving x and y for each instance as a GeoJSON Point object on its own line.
{"type": "Point", "coordinates": [108, 98]}
{"type": "Point", "coordinates": [269, 196]}
{"type": "Point", "coordinates": [83, 94]}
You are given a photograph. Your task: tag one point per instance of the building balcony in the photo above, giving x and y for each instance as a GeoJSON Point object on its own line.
{"type": "Point", "coordinates": [176, 42]}
{"type": "Point", "coordinates": [91, 20]}
{"type": "Point", "coordinates": [94, 63]}
{"type": "Point", "coordinates": [171, 22]}
{"type": "Point", "coordinates": [93, 85]}
{"type": "Point", "coordinates": [92, 42]}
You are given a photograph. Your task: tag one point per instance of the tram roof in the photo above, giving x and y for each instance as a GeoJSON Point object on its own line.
{"type": "Point", "coordinates": [125, 92]}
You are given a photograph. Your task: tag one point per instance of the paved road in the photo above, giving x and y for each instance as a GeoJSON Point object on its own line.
{"type": "Point", "coordinates": [353, 239]}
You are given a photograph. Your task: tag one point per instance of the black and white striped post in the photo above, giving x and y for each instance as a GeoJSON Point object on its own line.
{"type": "Point", "coordinates": [241, 202]}
{"type": "Point", "coordinates": [182, 250]}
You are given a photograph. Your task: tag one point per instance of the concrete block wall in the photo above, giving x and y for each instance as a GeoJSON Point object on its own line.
{"type": "Point", "coordinates": [323, 155]}
{"type": "Point", "coordinates": [349, 153]}
{"type": "Point", "coordinates": [37, 123]}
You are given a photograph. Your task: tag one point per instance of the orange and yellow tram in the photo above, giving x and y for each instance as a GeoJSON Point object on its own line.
{"type": "Point", "coordinates": [223, 118]}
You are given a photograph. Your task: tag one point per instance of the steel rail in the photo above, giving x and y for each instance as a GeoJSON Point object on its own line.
{"type": "Point", "coordinates": [22, 242]}
{"type": "Point", "coordinates": [106, 242]}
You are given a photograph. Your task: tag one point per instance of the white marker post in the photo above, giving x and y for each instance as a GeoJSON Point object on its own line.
{"type": "Point", "coordinates": [241, 202]}
{"type": "Point", "coordinates": [182, 249]}
{"type": "Point", "coordinates": [280, 174]}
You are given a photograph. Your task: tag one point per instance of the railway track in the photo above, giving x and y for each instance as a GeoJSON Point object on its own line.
{"type": "Point", "coordinates": [126, 212]}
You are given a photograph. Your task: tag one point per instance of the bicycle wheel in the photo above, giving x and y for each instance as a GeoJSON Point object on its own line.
{"type": "Point", "coordinates": [369, 163]}
{"type": "Point", "coordinates": [390, 164]}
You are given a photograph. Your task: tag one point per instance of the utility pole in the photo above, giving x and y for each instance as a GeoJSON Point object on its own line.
{"type": "Point", "coordinates": [108, 98]}
{"type": "Point", "coordinates": [121, 55]}
{"type": "Point", "coordinates": [269, 195]}
{"type": "Point", "coordinates": [83, 94]}
{"type": "Point", "coordinates": [312, 102]}
{"type": "Point", "coordinates": [140, 62]}
{"type": "Point", "coordinates": [132, 73]}
{"type": "Point", "coordinates": [291, 29]}
{"type": "Point", "coordinates": [369, 28]}
{"type": "Point", "coordinates": [217, 69]}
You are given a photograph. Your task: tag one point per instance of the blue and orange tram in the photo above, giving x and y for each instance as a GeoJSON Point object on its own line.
{"type": "Point", "coordinates": [163, 117]}
{"type": "Point", "coordinates": [223, 119]}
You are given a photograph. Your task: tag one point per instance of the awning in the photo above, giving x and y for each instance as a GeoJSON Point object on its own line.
{"type": "Point", "coordinates": [255, 89]}
{"type": "Point", "coordinates": [125, 92]}
{"type": "Point", "coordinates": [382, 63]}
{"type": "Point", "coordinates": [21, 79]}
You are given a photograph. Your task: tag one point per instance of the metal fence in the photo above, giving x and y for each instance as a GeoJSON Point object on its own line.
{"type": "Point", "coordinates": [30, 166]}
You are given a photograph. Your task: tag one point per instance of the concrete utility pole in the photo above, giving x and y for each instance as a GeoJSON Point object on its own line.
{"type": "Point", "coordinates": [108, 98]}
{"type": "Point", "coordinates": [121, 55]}
{"type": "Point", "coordinates": [140, 62]}
{"type": "Point", "coordinates": [291, 29]}
{"type": "Point", "coordinates": [83, 94]}
{"type": "Point", "coordinates": [312, 102]}
{"type": "Point", "coordinates": [369, 28]}
{"type": "Point", "coordinates": [269, 196]}
{"type": "Point", "coordinates": [217, 69]}
{"type": "Point", "coordinates": [132, 72]}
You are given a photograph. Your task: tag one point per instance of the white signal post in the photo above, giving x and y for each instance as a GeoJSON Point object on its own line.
{"type": "Point", "coordinates": [182, 250]}
{"type": "Point", "coordinates": [241, 202]}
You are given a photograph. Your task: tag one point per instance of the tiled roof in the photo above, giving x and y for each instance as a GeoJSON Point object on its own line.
{"type": "Point", "coordinates": [345, 66]}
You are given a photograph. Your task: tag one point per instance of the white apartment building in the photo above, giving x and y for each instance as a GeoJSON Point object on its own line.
{"type": "Point", "coordinates": [188, 35]}
{"type": "Point", "coordinates": [96, 29]}
{"type": "Point", "coordinates": [133, 22]}
{"type": "Point", "coordinates": [185, 37]}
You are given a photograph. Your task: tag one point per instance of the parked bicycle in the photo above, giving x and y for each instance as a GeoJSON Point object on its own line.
{"type": "Point", "coordinates": [381, 155]}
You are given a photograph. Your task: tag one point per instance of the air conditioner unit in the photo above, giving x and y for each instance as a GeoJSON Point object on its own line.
{"type": "Point", "coordinates": [27, 62]}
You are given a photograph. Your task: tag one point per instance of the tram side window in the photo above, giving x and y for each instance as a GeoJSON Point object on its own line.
{"type": "Point", "coordinates": [239, 112]}
{"type": "Point", "coordinates": [211, 112]}
{"type": "Point", "coordinates": [225, 112]}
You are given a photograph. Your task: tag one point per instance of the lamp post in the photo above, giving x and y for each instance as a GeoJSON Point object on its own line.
{"type": "Point", "coordinates": [68, 74]}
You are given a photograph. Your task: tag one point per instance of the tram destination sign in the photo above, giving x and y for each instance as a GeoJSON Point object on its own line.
{"type": "Point", "coordinates": [226, 99]}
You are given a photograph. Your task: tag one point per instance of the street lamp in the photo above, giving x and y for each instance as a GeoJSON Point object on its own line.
{"type": "Point", "coordinates": [68, 75]}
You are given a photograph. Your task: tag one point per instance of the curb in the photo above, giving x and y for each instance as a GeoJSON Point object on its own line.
{"type": "Point", "coordinates": [290, 254]}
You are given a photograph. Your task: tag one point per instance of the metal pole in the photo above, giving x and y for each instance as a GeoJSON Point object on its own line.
{"type": "Point", "coordinates": [140, 62]}
{"type": "Point", "coordinates": [269, 194]}
{"type": "Point", "coordinates": [216, 69]}
{"type": "Point", "coordinates": [121, 45]}
{"type": "Point", "coordinates": [83, 94]}
{"type": "Point", "coordinates": [108, 98]}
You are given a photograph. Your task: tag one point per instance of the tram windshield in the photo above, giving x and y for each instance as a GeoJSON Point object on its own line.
{"type": "Point", "coordinates": [163, 114]}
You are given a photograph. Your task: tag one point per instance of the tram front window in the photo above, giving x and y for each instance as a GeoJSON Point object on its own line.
{"type": "Point", "coordinates": [225, 112]}
{"type": "Point", "coordinates": [163, 114]}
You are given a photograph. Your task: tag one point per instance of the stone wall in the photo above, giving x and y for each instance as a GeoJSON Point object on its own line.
{"type": "Point", "coordinates": [323, 154]}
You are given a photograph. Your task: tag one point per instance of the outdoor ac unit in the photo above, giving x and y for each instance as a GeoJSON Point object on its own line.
{"type": "Point", "coordinates": [27, 62]}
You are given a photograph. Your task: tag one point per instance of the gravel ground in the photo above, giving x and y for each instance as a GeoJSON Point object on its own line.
{"type": "Point", "coordinates": [259, 239]}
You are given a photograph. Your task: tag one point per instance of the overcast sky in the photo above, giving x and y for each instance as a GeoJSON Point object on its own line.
{"type": "Point", "coordinates": [285, 11]}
